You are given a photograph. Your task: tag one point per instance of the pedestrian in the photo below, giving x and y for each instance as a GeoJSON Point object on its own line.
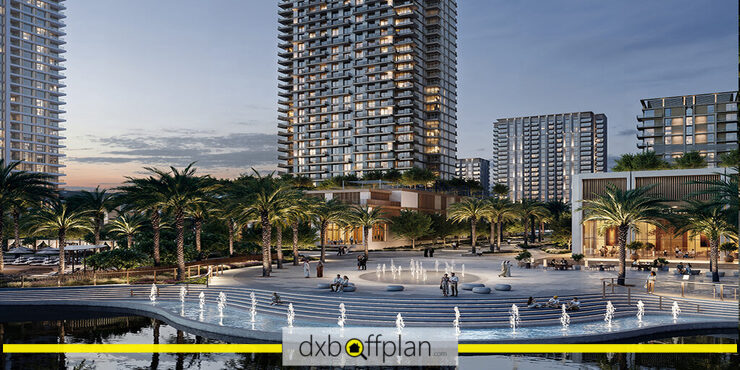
{"type": "Point", "coordinates": [453, 284]}
{"type": "Point", "coordinates": [431, 252]}
{"type": "Point", "coordinates": [508, 268]}
{"type": "Point", "coordinates": [364, 262]}
{"type": "Point", "coordinates": [320, 269]}
{"type": "Point", "coordinates": [359, 262]}
{"type": "Point", "coordinates": [650, 284]}
{"type": "Point", "coordinates": [445, 285]}
{"type": "Point", "coordinates": [426, 252]}
{"type": "Point", "coordinates": [503, 269]}
{"type": "Point", "coordinates": [306, 268]}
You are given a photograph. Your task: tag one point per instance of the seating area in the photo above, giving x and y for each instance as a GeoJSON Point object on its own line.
{"type": "Point", "coordinates": [470, 286]}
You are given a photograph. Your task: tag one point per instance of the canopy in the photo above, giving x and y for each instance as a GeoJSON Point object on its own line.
{"type": "Point", "coordinates": [20, 250]}
{"type": "Point", "coordinates": [48, 250]}
{"type": "Point", "coordinates": [75, 248]}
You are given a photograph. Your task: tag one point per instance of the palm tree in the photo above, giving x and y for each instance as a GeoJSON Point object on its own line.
{"type": "Point", "coordinates": [145, 195]}
{"type": "Point", "coordinates": [198, 212]}
{"type": "Point", "coordinates": [469, 209]}
{"type": "Point", "coordinates": [723, 191]}
{"type": "Point", "coordinates": [501, 211]}
{"type": "Point", "coordinates": [624, 209]}
{"type": "Point", "coordinates": [301, 210]}
{"type": "Point", "coordinates": [127, 225]}
{"type": "Point", "coordinates": [15, 185]}
{"type": "Point", "coordinates": [528, 210]}
{"type": "Point", "coordinates": [179, 190]}
{"type": "Point", "coordinates": [59, 219]}
{"type": "Point", "coordinates": [367, 218]}
{"type": "Point", "coordinates": [325, 213]}
{"type": "Point", "coordinates": [500, 190]}
{"type": "Point", "coordinates": [708, 219]}
{"type": "Point", "coordinates": [269, 198]}
{"type": "Point", "coordinates": [99, 203]}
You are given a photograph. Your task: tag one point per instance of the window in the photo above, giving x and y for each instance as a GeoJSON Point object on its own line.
{"type": "Point", "coordinates": [667, 112]}
{"type": "Point", "coordinates": [379, 232]}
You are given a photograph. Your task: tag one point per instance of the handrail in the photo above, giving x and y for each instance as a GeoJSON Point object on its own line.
{"type": "Point", "coordinates": [718, 289]}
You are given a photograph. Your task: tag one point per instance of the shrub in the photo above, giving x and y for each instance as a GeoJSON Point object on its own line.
{"type": "Point", "coordinates": [649, 246]}
{"type": "Point", "coordinates": [577, 256]}
{"type": "Point", "coordinates": [523, 255]}
{"type": "Point", "coordinates": [635, 246]}
{"type": "Point", "coordinates": [118, 259]}
{"type": "Point", "coordinates": [660, 262]}
{"type": "Point", "coordinates": [728, 247]}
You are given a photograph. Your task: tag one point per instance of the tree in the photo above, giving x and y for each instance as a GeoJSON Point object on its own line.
{"type": "Point", "coordinates": [501, 211]}
{"type": "Point", "coordinates": [301, 210]}
{"type": "Point", "coordinates": [146, 195]}
{"type": "Point", "coordinates": [417, 176]}
{"type": "Point", "coordinates": [127, 225]}
{"type": "Point", "coordinates": [641, 162]}
{"type": "Point", "coordinates": [366, 218]}
{"type": "Point", "coordinates": [699, 218]}
{"type": "Point", "coordinates": [14, 186]}
{"type": "Point", "coordinates": [624, 209]}
{"type": "Point", "coordinates": [691, 160]}
{"type": "Point", "coordinates": [57, 218]}
{"type": "Point", "coordinates": [730, 159]}
{"type": "Point", "coordinates": [180, 190]}
{"type": "Point", "coordinates": [528, 210]}
{"type": "Point", "coordinates": [471, 210]}
{"type": "Point", "coordinates": [99, 203]}
{"type": "Point", "coordinates": [412, 225]}
{"type": "Point", "coordinates": [326, 212]}
{"type": "Point", "coordinates": [270, 197]}
{"type": "Point", "coordinates": [198, 212]}
{"type": "Point", "coordinates": [723, 192]}
{"type": "Point", "coordinates": [500, 190]}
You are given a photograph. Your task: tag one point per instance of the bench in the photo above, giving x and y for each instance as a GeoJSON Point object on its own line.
{"type": "Point", "coordinates": [482, 290]}
{"type": "Point", "coordinates": [470, 286]}
{"type": "Point", "coordinates": [502, 287]}
{"type": "Point", "coordinates": [394, 288]}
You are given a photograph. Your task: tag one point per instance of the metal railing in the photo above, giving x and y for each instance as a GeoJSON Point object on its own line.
{"type": "Point", "coordinates": [682, 288]}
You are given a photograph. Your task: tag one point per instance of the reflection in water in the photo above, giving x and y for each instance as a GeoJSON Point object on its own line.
{"type": "Point", "coordinates": [132, 329]}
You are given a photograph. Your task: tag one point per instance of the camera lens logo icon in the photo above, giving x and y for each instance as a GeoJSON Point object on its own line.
{"type": "Point", "coordinates": [354, 348]}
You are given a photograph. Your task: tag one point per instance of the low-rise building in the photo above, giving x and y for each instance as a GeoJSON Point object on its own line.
{"type": "Point", "coordinates": [392, 201]}
{"type": "Point", "coordinates": [673, 185]}
{"type": "Point", "coordinates": [477, 169]}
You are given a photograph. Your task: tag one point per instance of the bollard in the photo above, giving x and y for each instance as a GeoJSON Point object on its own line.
{"type": "Point", "coordinates": [23, 281]}
{"type": "Point", "coordinates": [660, 302]}
{"type": "Point", "coordinates": [682, 289]}
{"type": "Point", "coordinates": [603, 289]}
{"type": "Point", "coordinates": [132, 292]}
{"type": "Point", "coordinates": [174, 274]}
{"type": "Point", "coordinates": [155, 276]}
{"type": "Point", "coordinates": [612, 285]}
{"type": "Point", "coordinates": [722, 292]}
{"type": "Point", "coordinates": [697, 308]}
{"type": "Point", "coordinates": [629, 296]}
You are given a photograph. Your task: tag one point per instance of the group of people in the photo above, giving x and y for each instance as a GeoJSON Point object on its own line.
{"type": "Point", "coordinates": [342, 250]}
{"type": "Point", "coordinates": [448, 285]}
{"type": "Point", "coordinates": [505, 269]}
{"type": "Point", "coordinates": [362, 262]}
{"type": "Point", "coordinates": [554, 302]}
{"type": "Point", "coordinates": [339, 283]}
{"type": "Point", "coordinates": [562, 264]}
{"type": "Point", "coordinates": [428, 252]}
{"type": "Point", "coordinates": [683, 270]}
{"type": "Point", "coordinates": [307, 268]}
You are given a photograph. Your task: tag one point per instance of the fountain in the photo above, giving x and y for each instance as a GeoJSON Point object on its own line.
{"type": "Point", "coordinates": [424, 274]}
{"type": "Point", "coordinates": [253, 309]}
{"type": "Point", "coordinates": [436, 266]}
{"type": "Point", "coordinates": [201, 304]}
{"type": "Point", "coordinates": [153, 293]}
{"type": "Point", "coordinates": [384, 269]}
{"type": "Point", "coordinates": [412, 266]}
{"type": "Point", "coordinates": [463, 270]}
{"type": "Point", "coordinates": [399, 271]}
{"type": "Point", "coordinates": [393, 265]}
{"type": "Point", "coordinates": [640, 312]}
{"type": "Point", "coordinates": [609, 315]}
{"type": "Point", "coordinates": [342, 315]}
{"type": "Point", "coordinates": [377, 271]}
{"type": "Point", "coordinates": [675, 310]}
{"type": "Point", "coordinates": [183, 293]}
{"type": "Point", "coordinates": [456, 322]}
{"type": "Point", "coordinates": [452, 266]}
{"type": "Point", "coordinates": [221, 303]}
{"type": "Point", "coordinates": [514, 319]}
{"type": "Point", "coordinates": [399, 323]}
{"type": "Point", "coordinates": [291, 315]}
{"type": "Point", "coordinates": [565, 319]}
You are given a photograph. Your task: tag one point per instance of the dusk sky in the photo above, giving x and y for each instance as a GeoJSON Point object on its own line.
{"type": "Point", "coordinates": [156, 83]}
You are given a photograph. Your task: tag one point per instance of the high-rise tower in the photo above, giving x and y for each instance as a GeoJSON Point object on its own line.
{"type": "Point", "coordinates": [367, 85]}
{"type": "Point", "coordinates": [31, 82]}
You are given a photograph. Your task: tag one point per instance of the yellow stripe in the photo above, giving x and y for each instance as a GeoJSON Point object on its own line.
{"type": "Point", "coordinates": [462, 348]}
{"type": "Point", "coordinates": [597, 348]}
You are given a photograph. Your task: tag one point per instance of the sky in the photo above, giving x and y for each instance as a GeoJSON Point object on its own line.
{"type": "Point", "coordinates": [169, 82]}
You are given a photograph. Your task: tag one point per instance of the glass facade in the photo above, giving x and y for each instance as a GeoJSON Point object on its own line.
{"type": "Point", "coordinates": [31, 48]}
{"type": "Point", "coordinates": [706, 123]}
{"type": "Point", "coordinates": [537, 156]}
{"type": "Point", "coordinates": [367, 85]}
{"type": "Point", "coordinates": [665, 241]}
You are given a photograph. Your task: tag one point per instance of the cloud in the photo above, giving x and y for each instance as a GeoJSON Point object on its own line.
{"type": "Point", "coordinates": [238, 151]}
{"type": "Point", "coordinates": [626, 132]}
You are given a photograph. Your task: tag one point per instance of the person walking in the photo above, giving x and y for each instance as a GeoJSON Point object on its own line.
{"type": "Point", "coordinates": [364, 262]}
{"type": "Point", "coordinates": [453, 284]}
{"type": "Point", "coordinates": [306, 268]}
{"type": "Point", "coordinates": [359, 262]}
{"type": "Point", "coordinates": [650, 284]}
{"type": "Point", "coordinates": [503, 269]}
{"type": "Point", "coordinates": [508, 268]}
{"type": "Point", "coordinates": [320, 269]}
{"type": "Point", "coordinates": [445, 285]}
